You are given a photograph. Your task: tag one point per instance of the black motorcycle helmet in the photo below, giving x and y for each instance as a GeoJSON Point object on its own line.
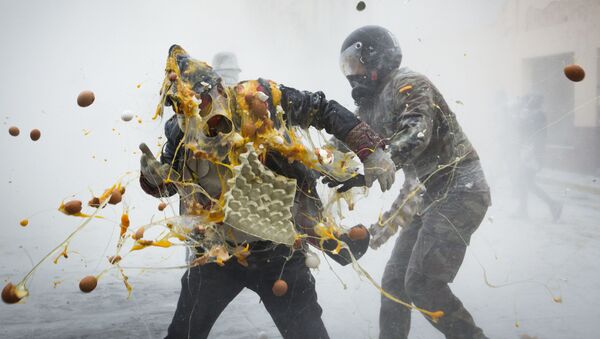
{"type": "Point", "coordinates": [367, 56]}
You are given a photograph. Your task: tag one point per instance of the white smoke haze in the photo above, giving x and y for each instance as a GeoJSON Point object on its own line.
{"type": "Point", "coordinates": [483, 56]}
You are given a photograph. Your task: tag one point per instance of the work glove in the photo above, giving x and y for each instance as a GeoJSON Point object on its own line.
{"type": "Point", "coordinates": [380, 234]}
{"type": "Point", "coordinates": [153, 170]}
{"type": "Point", "coordinates": [357, 181]}
{"type": "Point", "coordinates": [379, 166]}
{"type": "Point", "coordinates": [408, 204]}
{"type": "Point", "coordinates": [368, 146]}
{"type": "Point", "coordinates": [358, 247]}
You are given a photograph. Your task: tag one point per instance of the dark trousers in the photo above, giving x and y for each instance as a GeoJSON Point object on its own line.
{"type": "Point", "coordinates": [426, 257]}
{"type": "Point", "coordinates": [206, 291]}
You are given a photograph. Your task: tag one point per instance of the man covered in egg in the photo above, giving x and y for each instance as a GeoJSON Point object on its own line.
{"type": "Point", "coordinates": [247, 186]}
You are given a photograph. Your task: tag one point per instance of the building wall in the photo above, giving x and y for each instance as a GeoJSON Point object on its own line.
{"type": "Point", "coordinates": [539, 29]}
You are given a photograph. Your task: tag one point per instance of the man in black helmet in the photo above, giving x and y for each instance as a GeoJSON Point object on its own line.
{"type": "Point", "coordinates": [427, 143]}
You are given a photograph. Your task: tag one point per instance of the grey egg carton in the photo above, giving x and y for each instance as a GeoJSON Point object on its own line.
{"type": "Point", "coordinates": [259, 202]}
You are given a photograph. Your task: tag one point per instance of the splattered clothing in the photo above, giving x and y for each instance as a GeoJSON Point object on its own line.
{"type": "Point", "coordinates": [426, 141]}
{"type": "Point", "coordinates": [206, 290]}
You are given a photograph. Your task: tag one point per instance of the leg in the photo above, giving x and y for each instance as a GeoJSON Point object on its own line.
{"type": "Point", "coordinates": [436, 259]}
{"type": "Point", "coordinates": [297, 313]}
{"type": "Point", "coordinates": [205, 292]}
{"type": "Point", "coordinates": [434, 294]}
{"type": "Point", "coordinates": [554, 206]}
{"type": "Point", "coordinates": [394, 319]}
{"type": "Point", "coordinates": [522, 187]}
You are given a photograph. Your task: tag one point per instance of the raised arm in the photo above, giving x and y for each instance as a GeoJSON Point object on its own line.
{"type": "Point", "coordinates": [306, 109]}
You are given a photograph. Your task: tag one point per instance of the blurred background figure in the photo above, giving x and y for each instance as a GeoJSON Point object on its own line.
{"type": "Point", "coordinates": [226, 66]}
{"type": "Point", "coordinates": [530, 144]}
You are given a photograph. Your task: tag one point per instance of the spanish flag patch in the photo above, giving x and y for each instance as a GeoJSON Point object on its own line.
{"type": "Point", "coordinates": [405, 88]}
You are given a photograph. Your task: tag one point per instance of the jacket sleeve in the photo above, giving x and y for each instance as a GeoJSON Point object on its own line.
{"type": "Point", "coordinates": [415, 110]}
{"type": "Point", "coordinates": [306, 109]}
{"type": "Point", "coordinates": [169, 155]}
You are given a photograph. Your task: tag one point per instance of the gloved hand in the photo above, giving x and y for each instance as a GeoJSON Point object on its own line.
{"type": "Point", "coordinates": [356, 181]}
{"type": "Point", "coordinates": [405, 207]}
{"type": "Point", "coordinates": [153, 171]}
{"type": "Point", "coordinates": [358, 247]}
{"type": "Point", "coordinates": [380, 234]}
{"type": "Point", "coordinates": [379, 166]}
{"type": "Point", "coordinates": [368, 146]}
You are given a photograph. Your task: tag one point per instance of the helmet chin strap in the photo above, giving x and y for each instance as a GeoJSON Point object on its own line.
{"type": "Point", "coordinates": [363, 95]}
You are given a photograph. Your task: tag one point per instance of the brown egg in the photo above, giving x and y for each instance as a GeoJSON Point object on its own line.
{"type": "Point", "coordinates": [24, 222]}
{"type": "Point", "coordinates": [139, 234]}
{"type": "Point", "coordinates": [172, 76]}
{"type": "Point", "coordinates": [248, 129]}
{"type": "Point", "coordinates": [360, 6]}
{"type": "Point", "coordinates": [280, 288]}
{"type": "Point", "coordinates": [94, 202]}
{"type": "Point", "coordinates": [88, 284]}
{"type": "Point", "coordinates": [73, 207]}
{"type": "Point", "coordinates": [358, 232]}
{"type": "Point", "coordinates": [35, 134]}
{"type": "Point", "coordinates": [257, 107]}
{"type": "Point", "coordinates": [114, 259]}
{"type": "Point", "coordinates": [9, 294]}
{"type": "Point", "coordinates": [85, 98]}
{"type": "Point", "coordinates": [162, 206]}
{"type": "Point", "coordinates": [298, 244]}
{"type": "Point", "coordinates": [14, 131]}
{"type": "Point", "coordinates": [266, 125]}
{"type": "Point", "coordinates": [574, 72]}
{"type": "Point", "coordinates": [115, 197]}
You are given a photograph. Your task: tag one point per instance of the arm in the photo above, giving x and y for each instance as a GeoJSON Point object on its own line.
{"type": "Point", "coordinates": [313, 109]}
{"type": "Point", "coordinates": [306, 109]}
{"type": "Point", "coordinates": [415, 109]}
{"type": "Point", "coordinates": [150, 183]}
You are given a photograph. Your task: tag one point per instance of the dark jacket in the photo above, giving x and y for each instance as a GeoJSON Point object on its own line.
{"type": "Point", "coordinates": [302, 109]}
{"type": "Point", "coordinates": [423, 133]}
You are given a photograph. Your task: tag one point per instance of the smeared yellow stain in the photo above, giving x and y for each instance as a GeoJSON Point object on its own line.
{"type": "Point", "coordinates": [141, 243]}
{"type": "Point", "coordinates": [62, 254]}
{"type": "Point", "coordinates": [124, 223]}
{"type": "Point", "coordinates": [405, 88]}
{"type": "Point", "coordinates": [62, 209]}
{"type": "Point", "coordinates": [241, 254]}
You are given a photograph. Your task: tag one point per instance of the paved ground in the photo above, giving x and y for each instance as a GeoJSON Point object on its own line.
{"type": "Point", "coordinates": [529, 260]}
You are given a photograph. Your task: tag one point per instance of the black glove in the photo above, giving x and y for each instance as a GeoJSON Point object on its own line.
{"type": "Point", "coordinates": [358, 248]}
{"type": "Point", "coordinates": [357, 181]}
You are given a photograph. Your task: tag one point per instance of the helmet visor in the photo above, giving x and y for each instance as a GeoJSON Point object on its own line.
{"type": "Point", "coordinates": [351, 62]}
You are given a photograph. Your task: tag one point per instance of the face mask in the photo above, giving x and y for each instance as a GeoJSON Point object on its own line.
{"type": "Point", "coordinates": [363, 89]}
